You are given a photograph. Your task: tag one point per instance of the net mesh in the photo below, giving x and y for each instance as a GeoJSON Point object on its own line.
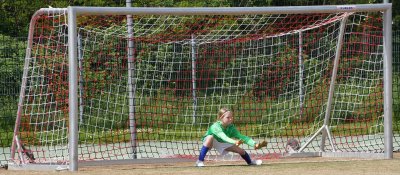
{"type": "Point", "coordinates": [273, 71]}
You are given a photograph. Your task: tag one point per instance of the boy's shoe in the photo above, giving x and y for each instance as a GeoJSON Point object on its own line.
{"type": "Point", "coordinates": [199, 163]}
{"type": "Point", "coordinates": [256, 162]}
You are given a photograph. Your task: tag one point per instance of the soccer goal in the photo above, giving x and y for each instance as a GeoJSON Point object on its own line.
{"type": "Point", "coordinates": [138, 83]}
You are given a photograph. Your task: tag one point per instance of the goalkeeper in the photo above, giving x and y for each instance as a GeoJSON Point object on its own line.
{"type": "Point", "coordinates": [224, 137]}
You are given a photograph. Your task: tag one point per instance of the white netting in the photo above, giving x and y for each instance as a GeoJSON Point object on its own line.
{"type": "Point", "coordinates": [273, 71]}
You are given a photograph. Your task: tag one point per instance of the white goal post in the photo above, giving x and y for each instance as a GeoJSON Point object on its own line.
{"type": "Point", "coordinates": [96, 88]}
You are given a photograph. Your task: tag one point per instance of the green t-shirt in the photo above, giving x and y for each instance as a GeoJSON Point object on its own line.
{"type": "Point", "coordinates": [225, 134]}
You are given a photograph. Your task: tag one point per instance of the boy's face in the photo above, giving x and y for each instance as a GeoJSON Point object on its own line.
{"type": "Point", "coordinates": [227, 118]}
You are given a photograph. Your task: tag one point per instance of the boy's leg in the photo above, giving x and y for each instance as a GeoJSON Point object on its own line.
{"type": "Point", "coordinates": [246, 157]}
{"type": "Point", "coordinates": [208, 141]}
{"type": "Point", "coordinates": [203, 153]}
{"type": "Point", "coordinates": [241, 152]}
{"type": "Point", "coordinates": [248, 160]}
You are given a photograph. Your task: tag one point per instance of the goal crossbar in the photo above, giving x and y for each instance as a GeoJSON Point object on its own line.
{"type": "Point", "coordinates": [228, 10]}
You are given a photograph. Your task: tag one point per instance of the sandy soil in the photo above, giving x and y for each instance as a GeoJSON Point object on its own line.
{"type": "Point", "coordinates": [297, 166]}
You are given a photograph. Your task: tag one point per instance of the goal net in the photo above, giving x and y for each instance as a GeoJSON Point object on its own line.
{"type": "Point", "coordinates": [314, 79]}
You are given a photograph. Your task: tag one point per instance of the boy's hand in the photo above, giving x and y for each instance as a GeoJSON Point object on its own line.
{"type": "Point", "coordinates": [260, 145]}
{"type": "Point", "coordinates": [239, 142]}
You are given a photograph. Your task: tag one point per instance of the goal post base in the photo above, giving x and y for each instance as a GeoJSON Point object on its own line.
{"type": "Point", "coordinates": [55, 167]}
{"type": "Point", "coordinates": [134, 161]}
{"type": "Point", "coordinates": [355, 155]}
{"type": "Point", "coordinates": [361, 155]}
{"type": "Point", "coordinates": [303, 155]}
{"type": "Point", "coordinates": [37, 167]}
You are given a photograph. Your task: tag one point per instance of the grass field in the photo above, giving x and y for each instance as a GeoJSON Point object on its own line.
{"type": "Point", "coordinates": [297, 166]}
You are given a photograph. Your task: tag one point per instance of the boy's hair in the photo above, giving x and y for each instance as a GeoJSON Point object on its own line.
{"type": "Point", "coordinates": [221, 112]}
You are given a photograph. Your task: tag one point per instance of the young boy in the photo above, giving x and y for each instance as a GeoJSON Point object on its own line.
{"type": "Point", "coordinates": [219, 136]}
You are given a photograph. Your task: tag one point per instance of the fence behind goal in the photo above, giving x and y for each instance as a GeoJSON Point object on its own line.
{"type": "Point", "coordinates": [150, 89]}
